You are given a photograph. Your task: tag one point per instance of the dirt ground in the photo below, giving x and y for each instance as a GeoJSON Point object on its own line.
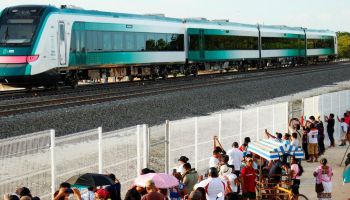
{"type": "Point", "coordinates": [340, 191]}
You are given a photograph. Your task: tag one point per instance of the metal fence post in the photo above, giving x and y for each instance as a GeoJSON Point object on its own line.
{"type": "Point", "coordinates": [196, 143]}
{"type": "Point", "coordinates": [138, 150]}
{"type": "Point", "coordinates": [220, 127]}
{"type": "Point", "coordinates": [100, 151]}
{"type": "Point", "coordinates": [167, 147]}
{"type": "Point", "coordinates": [273, 120]}
{"type": "Point", "coordinates": [241, 127]}
{"type": "Point", "coordinates": [145, 145]}
{"type": "Point", "coordinates": [287, 115]}
{"type": "Point", "coordinates": [53, 167]}
{"type": "Point", "coordinates": [347, 99]}
{"type": "Point", "coordinates": [257, 123]}
{"type": "Point", "coordinates": [148, 143]}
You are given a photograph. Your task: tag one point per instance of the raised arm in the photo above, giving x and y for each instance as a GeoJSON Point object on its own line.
{"type": "Point", "coordinates": [269, 134]}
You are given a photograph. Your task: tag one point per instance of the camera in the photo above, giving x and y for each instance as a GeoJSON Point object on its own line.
{"type": "Point", "coordinates": [69, 191]}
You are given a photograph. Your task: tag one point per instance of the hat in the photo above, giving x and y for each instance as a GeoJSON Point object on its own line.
{"type": "Point", "coordinates": [225, 170]}
{"type": "Point", "coordinates": [183, 159]}
{"type": "Point", "coordinates": [195, 195]}
{"type": "Point", "coordinates": [102, 193]}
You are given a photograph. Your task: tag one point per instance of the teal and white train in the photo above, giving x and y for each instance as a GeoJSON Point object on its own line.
{"type": "Point", "coordinates": [46, 46]}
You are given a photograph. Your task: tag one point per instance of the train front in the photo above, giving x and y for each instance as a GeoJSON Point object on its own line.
{"type": "Point", "coordinates": [19, 27]}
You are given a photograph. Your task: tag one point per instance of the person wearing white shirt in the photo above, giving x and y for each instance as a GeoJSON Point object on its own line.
{"type": "Point", "coordinates": [214, 186]}
{"type": "Point", "coordinates": [343, 131]}
{"type": "Point", "coordinates": [235, 158]}
{"type": "Point", "coordinates": [313, 141]}
{"type": "Point", "coordinates": [214, 159]}
{"type": "Point", "coordinates": [295, 141]}
{"type": "Point", "coordinates": [230, 179]}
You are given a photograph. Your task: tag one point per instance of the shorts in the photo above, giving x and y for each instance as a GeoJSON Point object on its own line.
{"type": "Point", "coordinates": [343, 136]}
{"type": "Point", "coordinates": [249, 195]}
{"type": "Point", "coordinates": [312, 148]}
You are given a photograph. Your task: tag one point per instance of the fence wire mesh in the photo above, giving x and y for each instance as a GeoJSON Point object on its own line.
{"type": "Point", "coordinates": [25, 161]}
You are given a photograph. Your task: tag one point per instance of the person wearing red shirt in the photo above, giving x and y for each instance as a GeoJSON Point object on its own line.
{"type": "Point", "coordinates": [248, 177]}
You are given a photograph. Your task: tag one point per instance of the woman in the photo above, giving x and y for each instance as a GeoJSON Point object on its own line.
{"type": "Point", "coordinates": [182, 160]}
{"type": "Point", "coordinates": [296, 172]}
{"type": "Point", "coordinates": [323, 176]}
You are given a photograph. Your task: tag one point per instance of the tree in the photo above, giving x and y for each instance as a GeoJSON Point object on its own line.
{"type": "Point", "coordinates": [343, 44]}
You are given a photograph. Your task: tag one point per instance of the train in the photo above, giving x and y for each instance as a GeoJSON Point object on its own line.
{"type": "Point", "coordinates": [43, 45]}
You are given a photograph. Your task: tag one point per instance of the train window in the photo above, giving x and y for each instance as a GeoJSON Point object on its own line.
{"type": "Point", "coordinates": [118, 41]}
{"type": "Point", "coordinates": [107, 41]}
{"type": "Point", "coordinates": [77, 40]}
{"type": "Point", "coordinates": [320, 43]}
{"type": "Point", "coordinates": [73, 46]}
{"type": "Point", "coordinates": [82, 41]}
{"type": "Point", "coordinates": [62, 32]}
{"type": "Point", "coordinates": [140, 42]}
{"type": "Point", "coordinates": [230, 42]}
{"type": "Point", "coordinates": [129, 41]}
{"type": "Point", "coordinates": [99, 41]}
{"type": "Point", "coordinates": [94, 41]}
{"type": "Point", "coordinates": [151, 42]}
{"type": "Point", "coordinates": [194, 42]}
{"type": "Point", "coordinates": [89, 41]}
{"type": "Point", "coordinates": [282, 43]}
{"type": "Point", "coordinates": [175, 42]}
{"type": "Point", "coordinates": [162, 43]}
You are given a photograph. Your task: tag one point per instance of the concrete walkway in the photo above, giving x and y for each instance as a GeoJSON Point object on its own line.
{"type": "Point", "coordinates": [340, 191]}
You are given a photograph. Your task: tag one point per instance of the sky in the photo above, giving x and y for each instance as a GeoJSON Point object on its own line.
{"type": "Point", "coordinates": [316, 14]}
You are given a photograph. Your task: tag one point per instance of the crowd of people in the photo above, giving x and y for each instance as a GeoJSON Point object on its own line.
{"type": "Point", "coordinates": [231, 175]}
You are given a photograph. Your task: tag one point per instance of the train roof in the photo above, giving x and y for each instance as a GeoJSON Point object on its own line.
{"type": "Point", "coordinates": [76, 10]}
{"type": "Point", "coordinates": [217, 22]}
{"type": "Point", "coordinates": [199, 21]}
{"type": "Point", "coordinates": [320, 32]}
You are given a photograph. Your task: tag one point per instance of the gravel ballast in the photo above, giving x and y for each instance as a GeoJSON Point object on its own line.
{"type": "Point", "coordinates": [156, 109]}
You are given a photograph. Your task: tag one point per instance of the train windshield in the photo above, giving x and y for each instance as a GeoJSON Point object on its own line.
{"type": "Point", "coordinates": [18, 26]}
{"type": "Point", "coordinates": [17, 31]}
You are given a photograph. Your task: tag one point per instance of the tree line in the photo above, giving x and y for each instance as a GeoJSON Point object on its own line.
{"type": "Point", "coordinates": [343, 44]}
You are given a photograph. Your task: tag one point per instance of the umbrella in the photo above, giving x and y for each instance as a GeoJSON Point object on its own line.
{"type": "Point", "coordinates": [90, 179]}
{"type": "Point", "coordinates": [346, 175]}
{"type": "Point", "coordinates": [161, 180]}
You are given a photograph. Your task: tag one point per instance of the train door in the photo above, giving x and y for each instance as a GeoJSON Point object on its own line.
{"type": "Point", "coordinates": [62, 44]}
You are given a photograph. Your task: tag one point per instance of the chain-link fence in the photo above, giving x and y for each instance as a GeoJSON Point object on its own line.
{"type": "Point", "coordinates": [41, 161]}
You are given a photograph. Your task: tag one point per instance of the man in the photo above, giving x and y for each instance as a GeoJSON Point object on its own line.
{"type": "Point", "coordinates": [214, 159]}
{"type": "Point", "coordinates": [330, 128]}
{"type": "Point", "coordinates": [320, 128]}
{"type": "Point", "coordinates": [214, 186]}
{"type": "Point", "coordinates": [248, 177]}
{"type": "Point", "coordinates": [235, 158]}
{"type": "Point", "coordinates": [312, 137]}
{"type": "Point", "coordinates": [64, 192]}
{"type": "Point", "coordinates": [152, 192]}
{"type": "Point", "coordinates": [190, 177]}
{"type": "Point", "coordinates": [114, 189]}
{"type": "Point", "coordinates": [275, 171]}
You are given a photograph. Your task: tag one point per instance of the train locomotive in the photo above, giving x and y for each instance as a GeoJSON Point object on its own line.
{"type": "Point", "coordinates": [50, 46]}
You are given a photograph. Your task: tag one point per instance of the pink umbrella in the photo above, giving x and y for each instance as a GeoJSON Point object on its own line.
{"type": "Point", "coordinates": [161, 180]}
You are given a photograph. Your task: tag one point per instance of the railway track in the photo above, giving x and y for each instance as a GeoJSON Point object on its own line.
{"type": "Point", "coordinates": [41, 92]}
{"type": "Point", "coordinates": [151, 89]}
